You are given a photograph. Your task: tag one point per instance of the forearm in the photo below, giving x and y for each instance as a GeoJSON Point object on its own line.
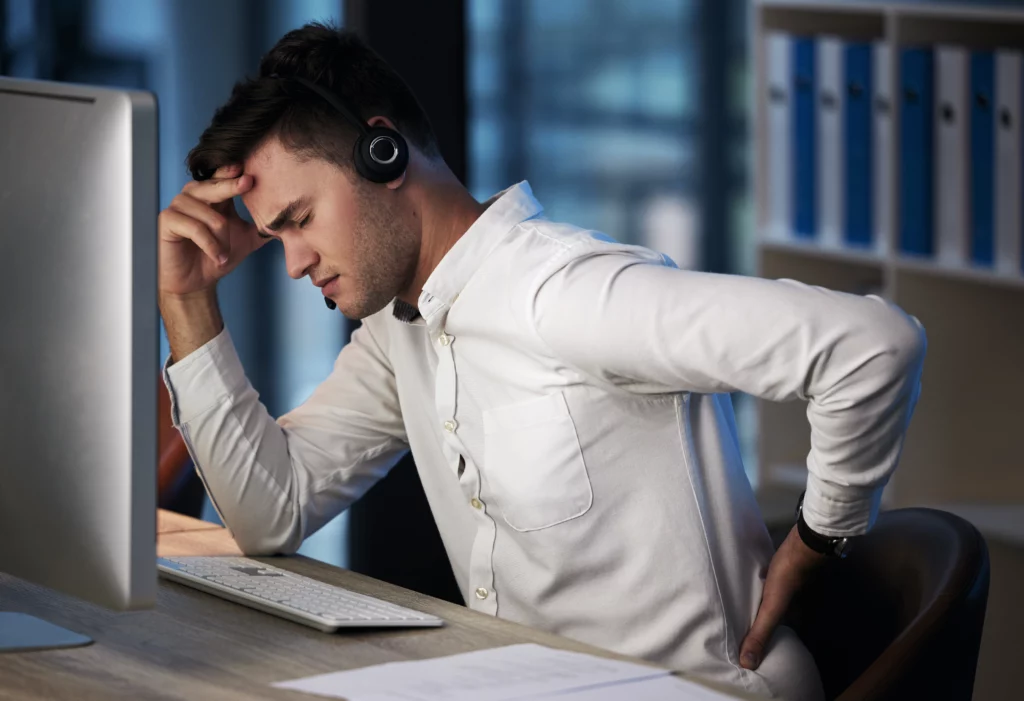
{"type": "Point", "coordinates": [241, 455]}
{"type": "Point", "coordinates": [238, 450]}
{"type": "Point", "coordinates": [191, 321]}
{"type": "Point", "coordinates": [274, 482]}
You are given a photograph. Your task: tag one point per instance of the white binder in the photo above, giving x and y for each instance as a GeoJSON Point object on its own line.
{"type": "Point", "coordinates": [779, 100]}
{"type": "Point", "coordinates": [830, 136]}
{"type": "Point", "coordinates": [952, 155]}
{"type": "Point", "coordinates": [882, 143]}
{"type": "Point", "coordinates": [1007, 162]}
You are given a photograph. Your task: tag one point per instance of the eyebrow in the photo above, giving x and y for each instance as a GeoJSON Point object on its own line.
{"type": "Point", "coordinates": [286, 215]}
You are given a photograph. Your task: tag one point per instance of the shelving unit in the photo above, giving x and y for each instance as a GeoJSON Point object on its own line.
{"type": "Point", "coordinates": [966, 443]}
{"type": "Point", "coordinates": [965, 447]}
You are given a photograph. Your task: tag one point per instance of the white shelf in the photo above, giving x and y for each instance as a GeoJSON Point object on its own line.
{"type": "Point", "coordinates": [864, 256]}
{"type": "Point", "coordinates": [957, 13]}
{"type": "Point", "coordinates": [864, 6]}
{"type": "Point", "coordinates": [955, 272]}
{"type": "Point", "coordinates": [902, 263]}
{"type": "Point", "coordinates": [994, 10]}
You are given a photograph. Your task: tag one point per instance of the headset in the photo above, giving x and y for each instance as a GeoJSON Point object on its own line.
{"type": "Point", "coordinates": [380, 154]}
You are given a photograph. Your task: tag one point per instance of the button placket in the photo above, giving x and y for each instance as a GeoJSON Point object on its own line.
{"type": "Point", "coordinates": [481, 564]}
{"type": "Point", "coordinates": [481, 570]}
{"type": "Point", "coordinates": [445, 387]}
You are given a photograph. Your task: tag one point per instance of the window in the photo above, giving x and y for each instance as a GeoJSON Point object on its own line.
{"type": "Point", "coordinates": [595, 103]}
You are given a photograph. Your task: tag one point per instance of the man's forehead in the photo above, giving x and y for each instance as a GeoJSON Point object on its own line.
{"type": "Point", "coordinates": [281, 177]}
{"type": "Point", "coordinates": [264, 201]}
{"type": "Point", "coordinates": [270, 153]}
{"type": "Point", "coordinates": [274, 182]}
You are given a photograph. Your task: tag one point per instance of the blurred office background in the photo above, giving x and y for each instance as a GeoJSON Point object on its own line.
{"type": "Point", "coordinates": [627, 117]}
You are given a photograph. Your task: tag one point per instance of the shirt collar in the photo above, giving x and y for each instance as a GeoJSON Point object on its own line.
{"type": "Point", "coordinates": [505, 210]}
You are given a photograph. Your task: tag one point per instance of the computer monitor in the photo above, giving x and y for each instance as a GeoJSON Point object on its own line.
{"type": "Point", "coordinates": [79, 340]}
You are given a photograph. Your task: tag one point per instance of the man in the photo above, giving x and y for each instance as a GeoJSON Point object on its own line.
{"type": "Point", "coordinates": [565, 396]}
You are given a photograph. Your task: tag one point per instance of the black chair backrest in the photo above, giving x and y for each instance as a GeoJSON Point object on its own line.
{"type": "Point", "coordinates": [901, 617]}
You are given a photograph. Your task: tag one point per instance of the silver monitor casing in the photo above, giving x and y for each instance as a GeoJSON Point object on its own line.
{"type": "Point", "coordinates": [79, 339]}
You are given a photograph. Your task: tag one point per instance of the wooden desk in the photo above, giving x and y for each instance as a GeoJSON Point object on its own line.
{"type": "Point", "coordinates": [196, 646]}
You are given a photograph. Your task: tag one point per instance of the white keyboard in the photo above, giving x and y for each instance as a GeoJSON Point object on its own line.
{"type": "Point", "coordinates": [288, 595]}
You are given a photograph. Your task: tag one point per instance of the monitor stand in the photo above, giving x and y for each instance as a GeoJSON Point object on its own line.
{"type": "Point", "coordinates": [20, 632]}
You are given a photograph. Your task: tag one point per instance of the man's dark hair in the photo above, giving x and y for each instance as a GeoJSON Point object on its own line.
{"type": "Point", "coordinates": [263, 107]}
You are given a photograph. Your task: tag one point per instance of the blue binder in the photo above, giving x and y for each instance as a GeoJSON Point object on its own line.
{"type": "Point", "coordinates": [916, 158]}
{"type": "Point", "coordinates": [804, 157]}
{"type": "Point", "coordinates": [982, 154]}
{"type": "Point", "coordinates": [858, 151]}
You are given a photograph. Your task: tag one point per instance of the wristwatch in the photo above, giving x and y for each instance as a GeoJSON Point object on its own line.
{"type": "Point", "coordinates": [830, 547]}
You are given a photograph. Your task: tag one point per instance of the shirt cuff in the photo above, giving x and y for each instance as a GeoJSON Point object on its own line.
{"type": "Point", "coordinates": [203, 378]}
{"type": "Point", "coordinates": [840, 511]}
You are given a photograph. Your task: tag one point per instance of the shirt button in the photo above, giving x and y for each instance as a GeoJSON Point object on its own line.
{"type": "Point", "coordinates": [450, 425]}
{"type": "Point", "coordinates": [475, 503]}
{"type": "Point", "coordinates": [445, 339]}
{"type": "Point", "coordinates": [482, 593]}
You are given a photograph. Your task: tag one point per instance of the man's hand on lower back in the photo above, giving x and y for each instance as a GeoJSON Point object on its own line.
{"type": "Point", "coordinates": [789, 568]}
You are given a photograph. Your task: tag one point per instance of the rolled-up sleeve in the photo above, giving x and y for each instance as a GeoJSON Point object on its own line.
{"type": "Point", "coordinates": [640, 323]}
{"type": "Point", "coordinates": [276, 482]}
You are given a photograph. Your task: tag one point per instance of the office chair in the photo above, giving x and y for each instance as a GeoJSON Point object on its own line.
{"type": "Point", "coordinates": [178, 487]}
{"type": "Point", "coordinates": [901, 616]}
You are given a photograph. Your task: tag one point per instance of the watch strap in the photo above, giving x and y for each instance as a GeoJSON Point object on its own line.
{"type": "Point", "coordinates": [826, 545]}
{"type": "Point", "coordinates": [815, 541]}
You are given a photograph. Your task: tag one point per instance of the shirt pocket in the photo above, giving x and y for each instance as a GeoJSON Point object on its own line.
{"type": "Point", "coordinates": [534, 464]}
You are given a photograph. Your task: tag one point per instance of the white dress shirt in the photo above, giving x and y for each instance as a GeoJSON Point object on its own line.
{"type": "Point", "coordinates": [565, 400]}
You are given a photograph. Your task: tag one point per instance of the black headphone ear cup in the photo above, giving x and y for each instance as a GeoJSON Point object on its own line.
{"type": "Point", "coordinates": [381, 155]}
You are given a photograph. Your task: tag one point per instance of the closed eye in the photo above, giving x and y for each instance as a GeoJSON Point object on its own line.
{"type": "Point", "coordinates": [301, 224]}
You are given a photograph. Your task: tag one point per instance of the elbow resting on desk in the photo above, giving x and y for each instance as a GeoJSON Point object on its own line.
{"type": "Point", "coordinates": [266, 534]}
{"type": "Point", "coordinates": [267, 543]}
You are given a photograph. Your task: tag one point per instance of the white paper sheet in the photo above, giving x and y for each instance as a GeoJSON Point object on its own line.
{"type": "Point", "coordinates": [514, 672]}
{"type": "Point", "coordinates": [653, 689]}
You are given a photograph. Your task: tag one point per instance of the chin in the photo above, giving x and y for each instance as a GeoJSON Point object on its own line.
{"type": "Point", "coordinates": [360, 309]}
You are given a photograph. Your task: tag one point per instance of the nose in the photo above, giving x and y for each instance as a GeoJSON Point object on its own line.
{"type": "Point", "coordinates": [299, 258]}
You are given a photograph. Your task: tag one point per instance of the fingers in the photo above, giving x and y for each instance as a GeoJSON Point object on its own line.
{"type": "Point", "coordinates": [788, 570]}
{"type": "Point", "coordinates": [186, 227]}
{"type": "Point", "coordinates": [773, 606]}
{"type": "Point", "coordinates": [190, 206]}
{"type": "Point", "coordinates": [225, 184]}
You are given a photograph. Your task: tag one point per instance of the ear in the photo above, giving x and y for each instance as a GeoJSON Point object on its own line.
{"type": "Point", "coordinates": [397, 182]}
{"type": "Point", "coordinates": [382, 121]}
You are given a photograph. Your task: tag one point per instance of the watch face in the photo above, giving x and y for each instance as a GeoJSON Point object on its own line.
{"type": "Point", "coordinates": [842, 547]}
